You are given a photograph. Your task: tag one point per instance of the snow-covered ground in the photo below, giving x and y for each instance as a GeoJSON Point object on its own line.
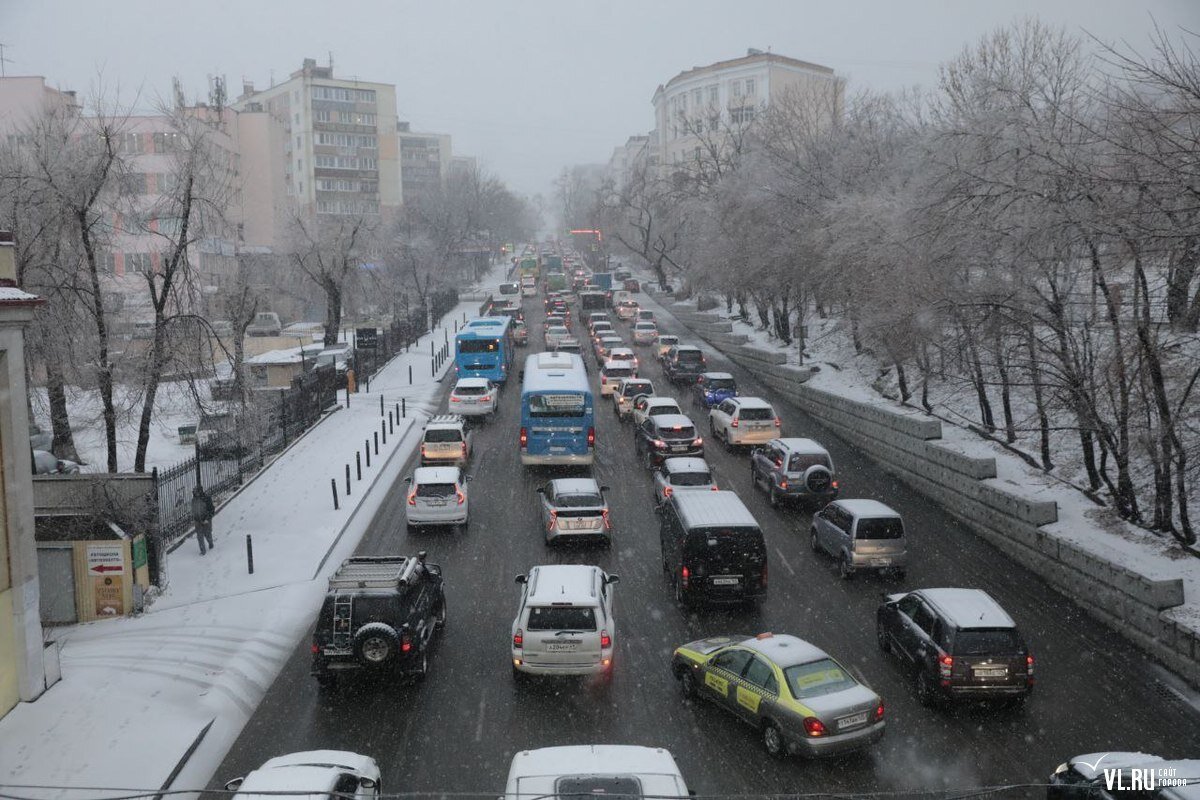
{"type": "Point", "coordinates": [137, 692]}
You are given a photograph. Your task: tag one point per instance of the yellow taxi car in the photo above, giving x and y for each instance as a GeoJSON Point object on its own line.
{"type": "Point", "coordinates": [799, 698]}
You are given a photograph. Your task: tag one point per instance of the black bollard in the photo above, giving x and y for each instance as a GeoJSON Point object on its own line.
{"type": "Point", "coordinates": [381, 404]}
{"type": "Point", "coordinates": [333, 485]}
{"type": "Point", "coordinates": [376, 435]}
{"type": "Point", "coordinates": [383, 430]}
{"type": "Point", "coordinates": [249, 555]}
{"type": "Point", "coordinates": [391, 423]}
{"type": "Point", "coordinates": [358, 464]}
{"type": "Point", "coordinates": [410, 374]}
{"type": "Point", "coordinates": [367, 450]}
{"type": "Point", "coordinates": [403, 406]}
{"type": "Point", "coordinates": [347, 480]}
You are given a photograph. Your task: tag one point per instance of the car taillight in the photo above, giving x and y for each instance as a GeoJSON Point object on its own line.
{"type": "Point", "coordinates": [553, 520]}
{"type": "Point", "coordinates": [778, 422]}
{"type": "Point", "coordinates": [518, 640]}
{"type": "Point", "coordinates": [659, 443]}
{"type": "Point", "coordinates": [783, 484]}
{"type": "Point", "coordinates": [423, 450]}
{"type": "Point", "coordinates": [412, 497]}
{"type": "Point", "coordinates": [462, 498]}
{"type": "Point", "coordinates": [834, 484]}
{"type": "Point", "coordinates": [814, 726]}
{"type": "Point", "coordinates": [945, 667]}
{"type": "Point", "coordinates": [714, 488]}
{"type": "Point", "coordinates": [605, 639]}
{"type": "Point", "coordinates": [603, 379]}
{"type": "Point", "coordinates": [486, 398]}
{"type": "Point", "coordinates": [699, 380]}
{"type": "Point", "coordinates": [698, 441]}
{"type": "Point", "coordinates": [604, 516]}
{"type": "Point", "coordinates": [733, 423]}
{"type": "Point", "coordinates": [315, 648]}
{"type": "Point", "coordinates": [1029, 668]}
{"type": "Point", "coordinates": [405, 643]}
{"type": "Point", "coordinates": [454, 399]}
{"type": "Point", "coordinates": [879, 711]}
{"type": "Point", "coordinates": [524, 438]}
{"type": "Point", "coordinates": [591, 437]}
{"type": "Point", "coordinates": [683, 577]}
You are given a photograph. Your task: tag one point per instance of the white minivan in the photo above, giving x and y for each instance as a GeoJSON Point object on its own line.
{"type": "Point", "coordinates": [595, 770]}
{"type": "Point", "coordinates": [564, 624]}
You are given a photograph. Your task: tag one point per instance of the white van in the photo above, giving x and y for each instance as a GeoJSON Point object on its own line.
{"type": "Point", "coordinates": [595, 770]}
{"type": "Point", "coordinates": [564, 624]}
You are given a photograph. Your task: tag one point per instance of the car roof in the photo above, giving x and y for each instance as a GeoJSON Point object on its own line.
{"type": "Point", "coordinates": [784, 649]}
{"type": "Point", "coordinates": [717, 375]}
{"type": "Point", "coordinates": [969, 608]}
{"type": "Point", "coordinates": [562, 583]}
{"type": "Point", "coordinates": [435, 475]}
{"type": "Point", "coordinates": [535, 772]}
{"type": "Point", "coordinates": [632, 381]}
{"type": "Point", "coordinates": [801, 445]}
{"type": "Point", "coordinates": [575, 486]}
{"type": "Point", "coordinates": [295, 781]}
{"type": "Point", "coordinates": [1083, 764]}
{"type": "Point", "coordinates": [617, 363]}
{"type": "Point", "coordinates": [661, 401]}
{"type": "Point", "coordinates": [671, 420]}
{"type": "Point", "coordinates": [445, 421]}
{"type": "Point", "coordinates": [668, 336]}
{"type": "Point", "coordinates": [749, 402]}
{"type": "Point", "coordinates": [685, 464]}
{"type": "Point", "coordinates": [867, 509]}
{"type": "Point", "coordinates": [473, 382]}
{"type": "Point", "coordinates": [679, 348]}
{"type": "Point", "coordinates": [336, 758]}
{"type": "Point", "coordinates": [712, 509]}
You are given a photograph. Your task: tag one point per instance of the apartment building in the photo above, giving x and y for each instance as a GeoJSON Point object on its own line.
{"type": "Point", "coordinates": [702, 102]}
{"type": "Point", "coordinates": [424, 163]}
{"type": "Point", "coordinates": [626, 158]}
{"type": "Point", "coordinates": [330, 143]}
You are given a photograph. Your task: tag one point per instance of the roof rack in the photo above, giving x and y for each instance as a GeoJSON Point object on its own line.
{"type": "Point", "coordinates": [375, 572]}
{"type": "Point", "coordinates": [445, 419]}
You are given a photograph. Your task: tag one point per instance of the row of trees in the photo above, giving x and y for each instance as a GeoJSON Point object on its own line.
{"type": "Point", "coordinates": [71, 192]}
{"type": "Point", "coordinates": [1019, 246]}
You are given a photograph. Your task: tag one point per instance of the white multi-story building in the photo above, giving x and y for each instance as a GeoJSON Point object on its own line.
{"type": "Point", "coordinates": [424, 163]}
{"type": "Point", "coordinates": [701, 103]}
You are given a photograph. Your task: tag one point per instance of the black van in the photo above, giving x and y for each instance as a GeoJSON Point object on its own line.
{"type": "Point", "coordinates": [712, 549]}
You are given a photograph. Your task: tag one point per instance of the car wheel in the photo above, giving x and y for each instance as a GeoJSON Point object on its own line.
{"type": "Point", "coordinates": [648, 460]}
{"type": "Point", "coordinates": [845, 571]}
{"type": "Point", "coordinates": [687, 683]}
{"type": "Point", "coordinates": [812, 540]}
{"type": "Point", "coordinates": [923, 688]}
{"type": "Point", "coordinates": [728, 441]}
{"type": "Point", "coordinates": [881, 638]}
{"type": "Point", "coordinates": [773, 740]}
{"type": "Point", "coordinates": [422, 666]}
{"type": "Point", "coordinates": [773, 496]}
{"type": "Point", "coordinates": [440, 619]}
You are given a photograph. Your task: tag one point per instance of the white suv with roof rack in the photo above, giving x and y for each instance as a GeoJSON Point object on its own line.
{"type": "Point", "coordinates": [595, 770]}
{"type": "Point", "coordinates": [742, 421]}
{"type": "Point", "coordinates": [445, 440]}
{"type": "Point", "coordinates": [564, 624]}
{"type": "Point", "coordinates": [325, 773]}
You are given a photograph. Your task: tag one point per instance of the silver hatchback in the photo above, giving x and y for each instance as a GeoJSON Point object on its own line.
{"type": "Point", "coordinates": [861, 535]}
{"type": "Point", "coordinates": [574, 508]}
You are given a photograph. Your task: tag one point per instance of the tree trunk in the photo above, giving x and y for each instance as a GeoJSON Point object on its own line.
{"type": "Point", "coordinates": [104, 376]}
{"type": "Point", "coordinates": [902, 381]}
{"type": "Point", "coordinates": [333, 311]}
{"type": "Point", "coordinates": [1010, 427]}
{"type": "Point", "coordinates": [1039, 401]}
{"type": "Point", "coordinates": [986, 417]}
{"type": "Point", "coordinates": [925, 368]}
{"type": "Point", "coordinates": [60, 420]}
{"type": "Point", "coordinates": [1088, 448]}
{"type": "Point", "coordinates": [1179, 279]}
{"type": "Point", "coordinates": [153, 376]}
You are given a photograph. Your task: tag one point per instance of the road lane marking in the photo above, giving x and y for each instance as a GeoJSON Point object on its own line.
{"type": "Point", "coordinates": [479, 724]}
{"type": "Point", "coordinates": [785, 563]}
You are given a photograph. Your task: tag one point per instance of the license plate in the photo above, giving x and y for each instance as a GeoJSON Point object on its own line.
{"type": "Point", "coordinates": [577, 524]}
{"type": "Point", "coordinates": [851, 721]}
{"type": "Point", "coordinates": [991, 673]}
{"type": "Point", "coordinates": [470, 400]}
{"type": "Point", "coordinates": [435, 503]}
{"type": "Point", "coordinates": [557, 449]}
{"type": "Point", "coordinates": [561, 647]}
{"type": "Point", "coordinates": [880, 562]}
{"type": "Point", "coordinates": [726, 581]}
{"type": "Point", "coordinates": [678, 448]}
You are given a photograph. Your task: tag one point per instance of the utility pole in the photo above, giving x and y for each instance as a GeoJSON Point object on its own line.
{"type": "Point", "coordinates": [3, 61]}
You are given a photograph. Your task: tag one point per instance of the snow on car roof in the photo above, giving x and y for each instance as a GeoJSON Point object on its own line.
{"type": "Point", "coordinates": [575, 486]}
{"type": "Point", "coordinates": [784, 649]}
{"type": "Point", "coordinates": [718, 376]}
{"type": "Point", "coordinates": [473, 383]}
{"type": "Point", "coordinates": [295, 781]}
{"type": "Point", "coordinates": [751, 402]}
{"type": "Point", "coordinates": [617, 363]}
{"type": "Point", "coordinates": [535, 772]}
{"type": "Point", "coordinates": [323, 758]}
{"type": "Point", "coordinates": [435, 475]}
{"type": "Point", "coordinates": [562, 583]}
{"type": "Point", "coordinates": [863, 509]}
{"type": "Point", "coordinates": [800, 445]}
{"type": "Point", "coordinates": [671, 420]}
{"type": "Point", "coordinates": [685, 464]}
{"type": "Point", "coordinates": [661, 401]}
{"type": "Point", "coordinates": [969, 608]}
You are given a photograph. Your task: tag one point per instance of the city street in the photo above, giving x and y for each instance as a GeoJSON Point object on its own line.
{"type": "Point", "coordinates": [457, 731]}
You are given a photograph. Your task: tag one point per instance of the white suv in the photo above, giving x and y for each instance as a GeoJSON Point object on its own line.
{"type": "Point", "coordinates": [564, 625]}
{"type": "Point", "coordinates": [438, 496]}
{"type": "Point", "coordinates": [595, 770]}
{"type": "Point", "coordinates": [445, 440]}
{"type": "Point", "coordinates": [627, 389]}
{"type": "Point", "coordinates": [612, 373]}
{"type": "Point", "coordinates": [473, 397]}
{"type": "Point", "coordinates": [325, 773]}
{"type": "Point", "coordinates": [743, 420]}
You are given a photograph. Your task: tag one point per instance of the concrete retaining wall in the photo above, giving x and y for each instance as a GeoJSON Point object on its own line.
{"type": "Point", "coordinates": [1025, 529]}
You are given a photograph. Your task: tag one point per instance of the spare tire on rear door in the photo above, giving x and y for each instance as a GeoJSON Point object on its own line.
{"type": "Point", "coordinates": [817, 479]}
{"type": "Point", "coordinates": [376, 644]}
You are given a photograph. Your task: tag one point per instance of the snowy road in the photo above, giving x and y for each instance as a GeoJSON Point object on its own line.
{"type": "Point", "coordinates": [457, 731]}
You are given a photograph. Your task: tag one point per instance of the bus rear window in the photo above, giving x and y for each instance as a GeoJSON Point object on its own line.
{"type": "Point", "coordinates": [478, 345]}
{"type": "Point", "coordinates": [556, 405]}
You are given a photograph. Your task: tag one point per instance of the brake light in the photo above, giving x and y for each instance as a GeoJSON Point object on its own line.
{"type": "Point", "coordinates": [778, 422]}
{"type": "Point", "coordinates": [698, 441]}
{"type": "Point", "coordinates": [603, 379]}
{"type": "Point", "coordinates": [945, 667]}
{"type": "Point", "coordinates": [1029, 668]}
{"type": "Point", "coordinates": [553, 520]}
{"type": "Point", "coordinates": [487, 397]}
{"type": "Point", "coordinates": [462, 498]}
{"type": "Point", "coordinates": [405, 643]}
{"type": "Point", "coordinates": [524, 438]}
{"type": "Point", "coordinates": [518, 640]}
{"type": "Point", "coordinates": [412, 497]}
{"type": "Point", "coordinates": [591, 437]}
{"type": "Point", "coordinates": [659, 443]}
{"type": "Point", "coordinates": [454, 399]}
{"type": "Point", "coordinates": [604, 516]}
{"type": "Point", "coordinates": [879, 711]}
{"type": "Point", "coordinates": [464, 449]}
{"type": "Point", "coordinates": [814, 726]}
{"type": "Point", "coordinates": [683, 577]}
{"type": "Point", "coordinates": [699, 380]}
{"type": "Point", "coordinates": [605, 639]}
{"type": "Point", "coordinates": [783, 485]}
{"type": "Point", "coordinates": [315, 649]}
{"type": "Point", "coordinates": [668, 491]}
{"type": "Point", "coordinates": [733, 423]}
{"type": "Point", "coordinates": [714, 488]}
{"type": "Point", "coordinates": [834, 484]}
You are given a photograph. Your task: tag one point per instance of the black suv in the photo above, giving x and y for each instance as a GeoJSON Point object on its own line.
{"type": "Point", "coordinates": [380, 615]}
{"type": "Point", "coordinates": [666, 436]}
{"type": "Point", "coordinates": [684, 362]}
{"type": "Point", "coordinates": [959, 642]}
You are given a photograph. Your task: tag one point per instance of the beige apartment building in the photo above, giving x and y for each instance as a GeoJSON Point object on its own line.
{"type": "Point", "coordinates": [424, 162]}
{"type": "Point", "coordinates": [330, 144]}
{"type": "Point", "coordinates": [730, 95]}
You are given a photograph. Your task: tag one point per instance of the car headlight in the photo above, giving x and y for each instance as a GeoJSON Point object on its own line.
{"type": "Point", "coordinates": [1061, 768]}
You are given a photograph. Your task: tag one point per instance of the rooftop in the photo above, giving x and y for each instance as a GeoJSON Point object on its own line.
{"type": "Point", "coordinates": [784, 649]}
{"type": "Point", "coordinates": [867, 508]}
{"type": "Point", "coordinates": [969, 608]}
{"type": "Point", "coordinates": [752, 57]}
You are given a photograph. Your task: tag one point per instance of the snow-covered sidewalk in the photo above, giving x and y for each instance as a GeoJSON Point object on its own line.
{"type": "Point", "coordinates": [157, 700]}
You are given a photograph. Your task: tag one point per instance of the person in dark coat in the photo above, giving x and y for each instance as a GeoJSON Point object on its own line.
{"type": "Point", "coordinates": [202, 514]}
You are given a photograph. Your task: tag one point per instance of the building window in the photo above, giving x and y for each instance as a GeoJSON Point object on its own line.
{"type": "Point", "coordinates": [322, 116]}
{"type": "Point", "coordinates": [696, 98]}
{"type": "Point", "coordinates": [735, 88]}
{"type": "Point", "coordinates": [167, 142]}
{"type": "Point", "coordinates": [130, 143]}
{"type": "Point", "coordinates": [133, 183]}
{"type": "Point", "coordinates": [296, 118]}
{"type": "Point", "coordinates": [106, 263]}
{"type": "Point", "coordinates": [714, 95]}
{"type": "Point", "coordinates": [137, 263]}
{"type": "Point", "coordinates": [714, 121]}
{"type": "Point", "coordinates": [749, 87]}
{"type": "Point", "coordinates": [370, 163]}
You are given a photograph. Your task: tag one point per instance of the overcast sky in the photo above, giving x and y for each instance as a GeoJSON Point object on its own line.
{"type": "Point", "coordinates": [528, 87]}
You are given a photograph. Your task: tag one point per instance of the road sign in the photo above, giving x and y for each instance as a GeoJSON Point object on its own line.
{"type": "Point", "coordinates": [366, 338]}
{"type": "Point", "coordinates": [106, 559]}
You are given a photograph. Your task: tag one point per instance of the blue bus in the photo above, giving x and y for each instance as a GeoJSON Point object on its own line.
{"type": "Point", "coordinates": [558, 423]}
{"type": "Point", "coordinates": [484, 348]}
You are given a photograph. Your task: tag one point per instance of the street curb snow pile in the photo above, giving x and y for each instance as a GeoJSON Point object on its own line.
{"type": "Point", "coordinates": [1144, 601]}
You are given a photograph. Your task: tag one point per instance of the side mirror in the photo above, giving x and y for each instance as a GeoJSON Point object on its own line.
{"type": "Point", "coordinates": [604, 488]}
{"type": "Point", "coordinates": [521, 375]}
{"type": "Point", "coordinates": [368, 783]}
{"type": "Point", "coordinates": [408, 479]}
{"type": "Point", "coordinates": [541, 490]}
{"type": "Point", "coordinates": [232, 786]}
{"type": "Point", "coordinates": [611, 579]}
{"type": "Point", "coordinates": [469, 478]}
{"type": "Point", "coordinates": [522, 579]}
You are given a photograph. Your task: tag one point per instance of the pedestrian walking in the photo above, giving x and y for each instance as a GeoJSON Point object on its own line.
{"type": "Point", "coordinates": [202, 514]}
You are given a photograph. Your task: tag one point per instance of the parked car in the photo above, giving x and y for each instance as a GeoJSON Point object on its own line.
{"type": "Point", "coordinates": [743, 421]}
{"type": "Point", "coordinates": [645, 333]}
{"type": "Point", "coordinates": [713, 549]}
{"type": "Point", "coordinates": [713, 388]}
{"type": "Point", "coordinates": [438, 496]}
{"type": "Point", "coordinates": [798, 697]}
{"type": "Point", "coordinates": [667, 435]}
{"type": "Point", "coordinates": [379, 616]}
{"type": "Point", "coordinates": [323, 773]}
{"type": "Point", "coordinates": [682, 474]}
{"type": "Point", "coordinates": [957, 643]}
{"type": "Point", "coordinates": [794, 469]}
{"type": "Point", "coordinates": [266, 323]}
{"type": "Point", "coordinates": [564, 623]}
{"type": "Point", "coordinates": [596, 771]}
{"type": "Point", "coordinates": [861, 535]}
{"type": "Point", "coordinates": [474, 397]}
{"type": "Point", "coordinates": [684, 363]}
{"type": "Point", "coordinates": [574, 508]}
{"type": "Point", "coordinates": [445, 440]}
{"type": "Point", "coordinates": [627, 389]}
{"type": "Point", "coordinates": [46, 463]}
{"type": "Point", "coordinates": [612, 373]}
{"type": "Point", "coordinates": [647, 406]}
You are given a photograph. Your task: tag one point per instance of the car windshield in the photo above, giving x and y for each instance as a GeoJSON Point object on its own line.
{"type": "Point", "coordinates": [678, 432]}
{"type": "Point", "coordinates": [443, 435]}
{"type": "Point", "coordinates": [556, 405]}
{"type": "Point", "coordinates": [469, 390]}
{"type": "Point", "coordinates": [690, 479]}
{"type": "Point", "coordinates": [478, 345]}
{"type": "Point", "coordinates": [715, 384]}
{"type": "Point", "coordinates": [887, 528]}
{"type": "Point", "coordinates": [435, 490]}
{"type": "Point", "coordinates": [689, 357]}
{"type": "Point", "coordinates": [618, 372]}
{"type": "Point", "coordinates": [817, 678]}
{"type": "Point", "coordinates": [668, 339]}
{"type": "Point", "coordinates": [663, 409]}
{"type": "Point", "coordinates": [799, 462]}
{"type": "Point", "coordinates": [580, 500]}
{"type": "Point", "coordinates": [560, 618]}
{"type": "Point", "coordinates": [634, 389]}
{"type": "Point", "coordinates": [981, 641]}
{"type": "Point", "coordinates": [757, 414]}
{"type": "Point", "coordinates": [557, 330]}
